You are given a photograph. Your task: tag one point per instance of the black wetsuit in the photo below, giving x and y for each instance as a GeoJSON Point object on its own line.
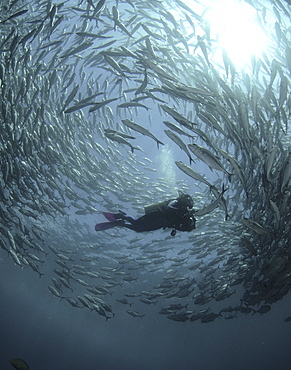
{"type": "Point", "coordinates": [176, 214]}
{"type": "Point", "coordinates": [172, 215]}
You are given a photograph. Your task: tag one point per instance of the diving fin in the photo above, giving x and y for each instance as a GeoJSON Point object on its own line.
{"type": "Point", "coordinates": [108, 225]}
{"type": "Point", "coordinates": [109, 216]}
{"type": "Point", "coordinates": [114, 216]}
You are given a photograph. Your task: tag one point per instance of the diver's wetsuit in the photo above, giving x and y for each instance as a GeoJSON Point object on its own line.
{"type": "Point", "coordinates": [150, 221]}
{"type": "Point", "coordinates": [172, 214]}
{"type": "Point", "coordinates": [169, 216]}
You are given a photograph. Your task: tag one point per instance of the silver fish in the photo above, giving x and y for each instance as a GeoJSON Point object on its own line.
{"type": "Point", "coordinates": [190, 172]}
{"type": "Point", "coordinates": [179, 142]}
{"type": "Point", "coordinates": [136, 127]}
{"type": "Point", "coordinates": [206, 156]}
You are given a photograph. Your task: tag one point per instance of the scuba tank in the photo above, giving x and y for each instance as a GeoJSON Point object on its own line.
{"type": "Point", "coordinates": [156, 206]}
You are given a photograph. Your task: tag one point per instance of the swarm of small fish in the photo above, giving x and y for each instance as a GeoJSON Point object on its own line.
{"type": "Point", "coordinates": [78, 84]}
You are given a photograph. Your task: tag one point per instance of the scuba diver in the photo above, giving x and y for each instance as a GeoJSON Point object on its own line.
{"type": "Point", "coordinates": [177, 214]}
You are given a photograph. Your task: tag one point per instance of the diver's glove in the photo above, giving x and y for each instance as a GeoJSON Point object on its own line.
{"type": "Point", "coordinates": [173, 232]}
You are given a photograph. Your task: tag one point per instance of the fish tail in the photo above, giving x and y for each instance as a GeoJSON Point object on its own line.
{"type": "Point", "coordinates": [134, 147]}
{"type": "Point", "coordinates": [224, 189]}
{"type": "Point", "coordinates": [227, 216]}
{"type": "Point", "coordinates": [159, 143]}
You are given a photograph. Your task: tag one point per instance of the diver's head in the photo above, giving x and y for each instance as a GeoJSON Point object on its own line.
{"type": "Point", "coordinates": [185, 200]}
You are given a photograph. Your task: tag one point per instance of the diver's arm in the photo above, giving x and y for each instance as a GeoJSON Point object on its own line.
{"type": "Point", "coordinates": [187, 223]}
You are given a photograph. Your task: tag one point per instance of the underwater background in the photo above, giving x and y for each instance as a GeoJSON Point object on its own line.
{"type": "Point", "coordinates": [116, 105]}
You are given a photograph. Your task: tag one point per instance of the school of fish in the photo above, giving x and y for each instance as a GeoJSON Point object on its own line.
{"type": "Point", "coordinates": [80, 82]}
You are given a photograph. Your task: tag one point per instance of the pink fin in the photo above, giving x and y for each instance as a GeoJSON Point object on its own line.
{"type": "Point", "coordinates": [109, 216]}
{"type": "Point", "coordinates": [108, 225]}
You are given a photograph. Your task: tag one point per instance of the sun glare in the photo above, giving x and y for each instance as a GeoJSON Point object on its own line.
{"type": "Point", "coordinates": [234, 26]}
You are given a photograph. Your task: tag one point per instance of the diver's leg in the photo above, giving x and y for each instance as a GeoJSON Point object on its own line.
{"type": "Point", "coordinates": [113, 222]}
{"type": "Point", "coordinates": [149, 222]}
{"type": "Point", "coordinates": [108, 225]}
{"type": "Point", "coordinates": [129, 219]}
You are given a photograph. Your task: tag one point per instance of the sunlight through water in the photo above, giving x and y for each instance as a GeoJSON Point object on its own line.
{"type": "Point", "coordinates": [229, 27]}
{"type": "Point", "coordinates": [235, 28]}
{"type": "Point", "coordinates": [166, 162]}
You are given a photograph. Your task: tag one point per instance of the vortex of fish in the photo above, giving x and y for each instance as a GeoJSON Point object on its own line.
{"type": "Point", "coordinates": [80, 83]}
